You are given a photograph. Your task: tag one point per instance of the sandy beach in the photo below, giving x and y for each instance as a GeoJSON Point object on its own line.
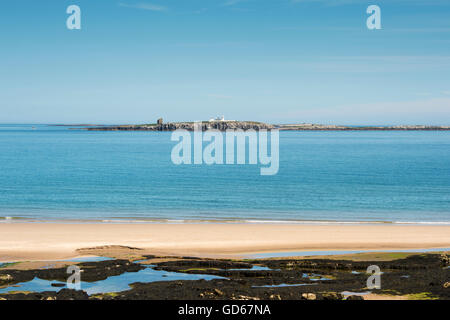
{"type": "Point", "coordinates": [46, 241]}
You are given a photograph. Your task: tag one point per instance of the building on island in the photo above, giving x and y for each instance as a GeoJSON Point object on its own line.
{"type": "Point", "coordinates": [222, 119]}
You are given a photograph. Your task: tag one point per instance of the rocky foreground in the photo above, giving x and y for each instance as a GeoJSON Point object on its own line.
{"type": "Point", "coordinates": [420, 276]}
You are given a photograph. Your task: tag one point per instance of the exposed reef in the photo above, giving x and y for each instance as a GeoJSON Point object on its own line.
{"type": "Point", "coordinates": [418, 276]}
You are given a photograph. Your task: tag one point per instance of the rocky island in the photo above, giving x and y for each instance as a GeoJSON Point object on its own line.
{"type": "Point", "coordinates": [223, 125]}
{"type": "Point", "coordinates": [172, 126]}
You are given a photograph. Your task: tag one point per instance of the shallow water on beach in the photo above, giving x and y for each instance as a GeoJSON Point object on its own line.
{"type": "Point", "coordinates": [123, 281]}
{"type": "Point", "coordinates": [90, 259]}
{"type": "Point", "coordinates": [56, 173]}
{"type": "Point", "coordinates": [253, 268]}
{"type": "Point", "coordinates": [111, 284]}
{"type": "Point", "coordinates": [334, 252]}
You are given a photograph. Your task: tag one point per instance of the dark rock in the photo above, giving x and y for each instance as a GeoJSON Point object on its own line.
{"type": "Point", "coordinates": [5, 279]}
{"type": "Point", "coordinates": [426, 270]}
{"type": "Point", "coordinates": [70, 294]}
{"type": "Point", "coordinates": [332, 296]}
{"type": "Point", "coordinates": [445, 260]}
{"type": "Point", "coordinates": [218, 292]}
{"type": "Point", "coordinates": [355, 297]}
{"type": "Point", "coordinates": [58, 285]}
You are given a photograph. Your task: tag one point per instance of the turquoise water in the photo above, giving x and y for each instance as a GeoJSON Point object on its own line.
{"type": "Point", "coordinates": [57, 173]}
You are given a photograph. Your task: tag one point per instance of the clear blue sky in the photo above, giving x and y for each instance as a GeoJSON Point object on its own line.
{"type": "Point", "coordinates": [279, 61]}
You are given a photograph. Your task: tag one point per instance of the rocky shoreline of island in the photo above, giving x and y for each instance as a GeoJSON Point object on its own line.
{"type": "Point", "coordinates": [189, 126]}
{"type": "Point", "coordinates": [253, 125]}
{"type": "Point", "coordinates": [320, 127]}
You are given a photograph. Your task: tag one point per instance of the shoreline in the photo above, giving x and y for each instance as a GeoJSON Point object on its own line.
{"type": "Point", "coordinates": [21, 241]}
{"type": "Point", "coordinates": [138, 220]}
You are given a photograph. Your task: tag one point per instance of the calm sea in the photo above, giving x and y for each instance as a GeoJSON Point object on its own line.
{"type": "Point", "coordinates": [52, 172]}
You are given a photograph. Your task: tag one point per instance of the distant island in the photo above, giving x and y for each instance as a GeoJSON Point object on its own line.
{"type": "Point", "coordinates": [222, 125]}
{"type": "Point", "coordinates": [172, 126]}
{"type": "Point", "coordinates": [321, 127]}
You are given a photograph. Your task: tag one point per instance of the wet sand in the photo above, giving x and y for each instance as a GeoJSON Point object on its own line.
{"type": "Point", "coordinates": [47, 241]}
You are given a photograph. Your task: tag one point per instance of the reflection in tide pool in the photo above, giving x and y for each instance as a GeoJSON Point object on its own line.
{"type": "Point", "coordinates": [112, 284]}
{"type": "Point", "coordinates": [254, 268]}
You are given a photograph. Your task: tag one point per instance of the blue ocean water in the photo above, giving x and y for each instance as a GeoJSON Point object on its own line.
{"type": "Point", "coordinates": [50, 172]}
